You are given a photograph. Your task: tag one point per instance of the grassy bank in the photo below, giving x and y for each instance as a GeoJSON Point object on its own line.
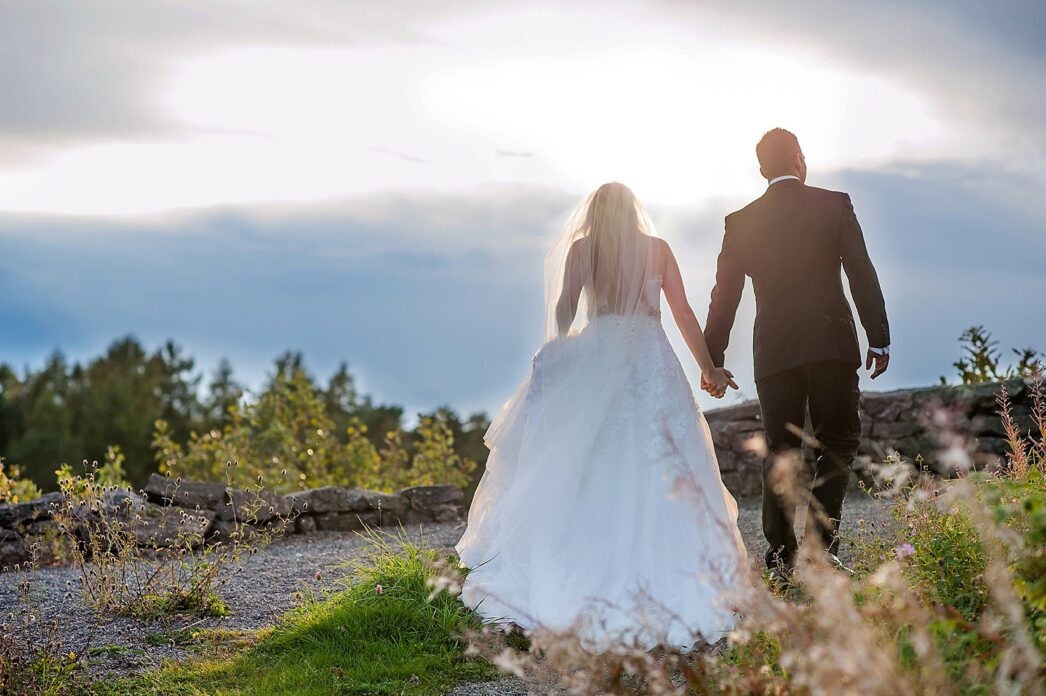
{"type": "Point", "coordinates": [381, 633]}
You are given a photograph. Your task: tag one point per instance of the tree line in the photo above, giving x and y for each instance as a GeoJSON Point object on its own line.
{"type": "Point", "coordinates": [69, 412]}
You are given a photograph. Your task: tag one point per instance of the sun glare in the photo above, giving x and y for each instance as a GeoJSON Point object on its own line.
{"type": "Point", "coordinates": [680, 125]}
{"type": "Point", "coordinates": [676, 119]}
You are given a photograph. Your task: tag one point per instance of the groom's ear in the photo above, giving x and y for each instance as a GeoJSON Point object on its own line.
{"type": "Point", "coordinates": [762, 173]}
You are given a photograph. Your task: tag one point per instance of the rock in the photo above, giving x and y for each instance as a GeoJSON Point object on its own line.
{"type": "Point", "coordinates": [187, 494]}
{"type": "Point", "coordinates": [222, 530]}
{"type": "Point", "coordinates": [161, 527]}
{"type": "Point", "coordinates": [13, 549]}
{"type": "Point", "coordinates": [727, 460]}
{"type": "Point", "coordinates": [226, 530]}
{"type": "Point", "coordinates": [895, 431]}
{"type": "Point", "coordinates": [321, 500]}
{"type": "Point", "coordinates": [305, 524]}
{"type": "Point", "coordinates": [873, 405]}
{"type": "Point", "coordinates": [390, 505]}
{"type": "Point", "coordinates": [278, 527]}
{"type": "Point", "coordinates": [16, 514]}
{"type": "Point", "coordinates": [345, 521]}
{"type": "Point", "coordinates": [251, 506]}
{"type": "Point", "coordinates": [886, 407]}
{"type": "Point", "coordinates": [743, 483]}
{"type": "Point", "coordinates": [889, 421]}
{"type": "Point", "coordinates": [993, 425]}
{"type": "Point", "coordinates": [117, 503]}
{"type": "Point", "coordinates": [122, 499]}
{"type": "Point", "coordinates": [447, 512]}
{"type": "Point", "coordinates": [337, 500]}
{"type": "Point", "coordinates": [729, 430]}
{"type": "Point", "coordinates": [431, 496]}
{"type": "Point", "coordinates": [993, 445]}
{"type": "Point", "coordinates": [745, 411]}
{"type": "Point", "coordinates": [41, 528]}
{"type": "Point", "coordinates": [984, 395]}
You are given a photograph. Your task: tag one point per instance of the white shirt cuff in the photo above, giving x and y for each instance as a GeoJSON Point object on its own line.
{"type": "Point", "coordinates": [880, 351]}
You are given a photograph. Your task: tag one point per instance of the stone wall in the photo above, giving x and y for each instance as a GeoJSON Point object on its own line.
{"type": "Point", "coordinates": [892, 422]}
{"type": "Point", "coordinates": [167, 510]}
{"type": "Point", "coordinates": [897, 421]}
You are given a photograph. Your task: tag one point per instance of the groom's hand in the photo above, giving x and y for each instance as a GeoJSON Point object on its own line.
{"type": "Point", "coordinates": [717, 386]}
{"type": "Point", "coordinates": [711, 388]}
{"type": "Point", "coordinates": [881, 362]}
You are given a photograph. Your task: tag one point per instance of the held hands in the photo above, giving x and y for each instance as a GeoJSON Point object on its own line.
{"type": "Point", "coordinates": [717, 381]}
{"type": "Point", "coordinates": [881, 363]}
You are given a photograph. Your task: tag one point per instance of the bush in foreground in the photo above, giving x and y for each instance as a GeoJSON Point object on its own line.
{"type": "Point", "coordinates": [145, 561]}
{"type": "Point", "coordinates": [950, 601]}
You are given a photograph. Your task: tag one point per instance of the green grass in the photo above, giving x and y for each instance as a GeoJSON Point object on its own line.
{"type": "Point", "coordinates": [355, 641]}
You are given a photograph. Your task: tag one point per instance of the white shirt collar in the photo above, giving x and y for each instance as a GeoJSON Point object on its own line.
{"type": "Point", "coordinates": [782, 178]}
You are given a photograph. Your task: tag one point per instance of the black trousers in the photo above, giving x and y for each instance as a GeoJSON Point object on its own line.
{"type": "Point", "coordinates": [829, 390]}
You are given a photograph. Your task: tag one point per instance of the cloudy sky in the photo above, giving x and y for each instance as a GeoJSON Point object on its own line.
{"type": "Point", "coordinates": [375, 182]}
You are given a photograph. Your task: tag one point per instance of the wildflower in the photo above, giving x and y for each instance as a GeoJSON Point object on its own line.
{"type": "Point", "coordinates": [318, 575]}
{"type": "Point", "coordinates": [378, 589]}
{"type": "Point", "coordinates": [508, 662]}
{"type": "Point", "coordinates": [904, 551]}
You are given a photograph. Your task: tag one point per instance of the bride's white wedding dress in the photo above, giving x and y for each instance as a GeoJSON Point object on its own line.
{"type": "Point", "coordinates": [602, 505]}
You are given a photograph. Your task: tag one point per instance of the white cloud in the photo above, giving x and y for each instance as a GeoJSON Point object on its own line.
{"type": "Point", "coordinates": [437, 298]}
{"type": "Point", "coordinates": [302, 104]}
{"type": "Point", "coordinates": [342, 182]}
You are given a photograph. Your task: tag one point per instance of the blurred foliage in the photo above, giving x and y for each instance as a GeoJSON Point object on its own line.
{"type": "Point", "coordinates": [14, 488]}
{"type": "Point", "coordinates": [289, 440]}
{"type": "Point", "coordinates": [982, 362]}
{"type": "Point", "coordinates": [949, 558]}
{"type": "Point", "coordinates": [945, 544]}
{"type": "Point", "coordinates": [1021, 505]}
{"type": "Point", "coordinates": [115, 407]}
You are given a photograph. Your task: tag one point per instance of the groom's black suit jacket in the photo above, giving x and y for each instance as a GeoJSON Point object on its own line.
{"type": "Point", "coordinates": [792, 242]}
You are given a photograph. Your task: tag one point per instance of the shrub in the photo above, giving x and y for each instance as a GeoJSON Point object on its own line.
{"type": "Point", "coordinates": [947, 558]}
{"type": "Point", "coordinates": [13, 488]}
{"type": "Point", "coordinates": [982, 362]}
{"type": "Point", "coordinates": [288, 436]}
{"type": "Point", "coordinates": [144, 560]}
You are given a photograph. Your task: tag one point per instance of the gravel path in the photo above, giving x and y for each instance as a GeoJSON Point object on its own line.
{"type": "Point", "coordinates": [257, 596]}
{"type": "Point", "coordinates": [263, 590]}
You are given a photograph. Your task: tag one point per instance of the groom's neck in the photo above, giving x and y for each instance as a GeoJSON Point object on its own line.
{"type": "Point", "coordinates": [777, 175]}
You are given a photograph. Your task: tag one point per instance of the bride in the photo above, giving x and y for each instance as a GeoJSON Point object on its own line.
{"type": "Point", "coordinates": [602, 508]}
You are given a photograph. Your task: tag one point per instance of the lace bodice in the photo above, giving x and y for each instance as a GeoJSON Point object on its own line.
{"type": "Point", "coordinates": [651, 300]}
{"type": "Point", "coordinates": [652, 295]}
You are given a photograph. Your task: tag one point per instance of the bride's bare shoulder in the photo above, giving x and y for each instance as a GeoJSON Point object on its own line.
{"type": "Point", "coordinates": [663, 249]}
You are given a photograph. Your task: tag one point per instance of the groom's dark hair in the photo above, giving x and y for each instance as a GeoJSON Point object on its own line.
{"type": "Point", "coordinates": [776, 152]}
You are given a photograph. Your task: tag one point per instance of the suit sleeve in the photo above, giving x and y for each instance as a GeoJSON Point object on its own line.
{"type": "Point", "coordinates": [864, 282]}
{"type": "Point", "coordinates": [726, 295]}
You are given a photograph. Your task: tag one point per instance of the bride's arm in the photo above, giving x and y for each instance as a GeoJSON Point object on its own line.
{"type": "Point", "coordinates": [688, 324]}
{"type": "Point", "coordinates": [566, 308]}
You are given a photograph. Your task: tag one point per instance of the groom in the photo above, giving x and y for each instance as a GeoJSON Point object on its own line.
{"type": "Point", "coordinates": [792, 241]}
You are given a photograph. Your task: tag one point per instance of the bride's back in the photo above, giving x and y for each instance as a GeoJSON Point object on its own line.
{"type": "Point", "coordinates": [613, 257]}
{"type": "Point", "coordinates": [617, 280]}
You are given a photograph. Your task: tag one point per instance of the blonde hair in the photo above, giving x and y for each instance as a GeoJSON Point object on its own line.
{"type": "Point", "coordinates": [612, 223]}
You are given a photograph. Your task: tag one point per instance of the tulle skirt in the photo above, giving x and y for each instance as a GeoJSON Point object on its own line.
{"type": "Point", "coordinates": [602, 508]}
